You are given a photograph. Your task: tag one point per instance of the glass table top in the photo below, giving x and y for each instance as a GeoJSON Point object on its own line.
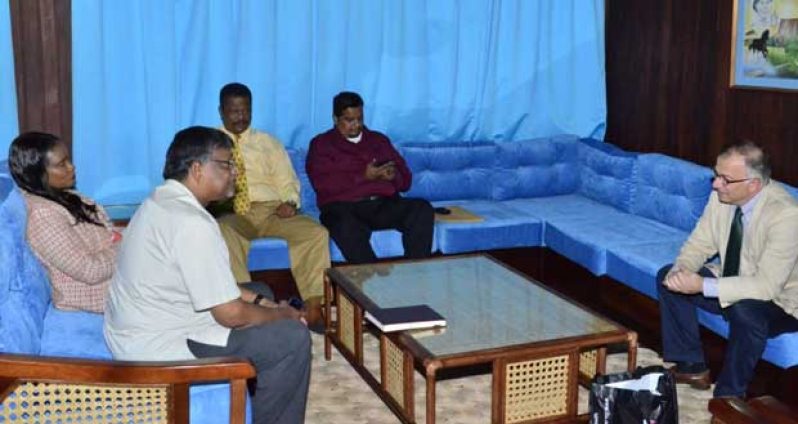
{"type": "Point", "coordinates": [486, 305]}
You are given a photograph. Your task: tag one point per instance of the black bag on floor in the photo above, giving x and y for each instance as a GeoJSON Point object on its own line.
{"type": "Point", "coordinates": [613, 405]}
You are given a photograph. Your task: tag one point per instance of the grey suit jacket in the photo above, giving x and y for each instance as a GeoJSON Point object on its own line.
{"type": "Point", "coordinates": [768, 256]}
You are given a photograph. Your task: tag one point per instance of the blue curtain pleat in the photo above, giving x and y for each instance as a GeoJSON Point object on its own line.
{"type": "Point", "coordinates": [445, 70]}
{"type": "Point", "coordinates": [8, 95]}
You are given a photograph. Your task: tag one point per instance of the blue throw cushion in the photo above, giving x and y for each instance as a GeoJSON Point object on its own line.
{"type": "Point", "coordinates": [450, 171]}
{"type": "Point", "coordinates": [671, 190]}
{"type": "Point", "coordinates": [535, 168]}
{"type": "Point", "coordinates": [24, 287]}
{"type": "Point", "coordinates": [607, 173]}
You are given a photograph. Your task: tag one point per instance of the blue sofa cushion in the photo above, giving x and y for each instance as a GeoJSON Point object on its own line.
{"type": "Point", "coordinates": [583, 230]}
{"type": "Point", "coordinates": [671, 190]}
{"type": "Point", "coordinates": [504, 226]}
{"type": "Point", "coordinates": [268, 253]}
{"type": "Point", "coordinates": [450, 171]}
{"type": "Point", "coordinates": [385, 243]}
{"type": "Point", "coordinates": [781, 350]}
{"type": "Point", "coordinates": [24, 286]}
{"type": "Point", "coordinates": [535, 168]}
{"type": "Point", "coordinates": [636, 265]}
{"type": "Point", "coordinates": [607, 173]}
{"type": "Point", "coordinates": [307, 196]}
{"type": "Point", "coordinates": [74, 334]}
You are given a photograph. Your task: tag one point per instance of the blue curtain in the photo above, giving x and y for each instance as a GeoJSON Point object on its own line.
{"type": "Point", "coordinates": [8, 93]}
{"type": "Point", "coordinates": [449, 70]}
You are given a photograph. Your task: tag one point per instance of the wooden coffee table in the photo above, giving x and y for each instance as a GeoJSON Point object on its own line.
{"type": "Point", "coordinates": [540, 345]}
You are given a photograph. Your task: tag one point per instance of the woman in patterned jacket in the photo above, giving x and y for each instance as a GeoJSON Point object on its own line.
{"type": "Point", "coordinates": [70, 234]}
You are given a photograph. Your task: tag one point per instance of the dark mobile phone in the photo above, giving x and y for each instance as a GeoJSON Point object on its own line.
{"type": "Point", "coordinates": [442, 211]}
{"type": "Point", "coordinates": [296, 303]}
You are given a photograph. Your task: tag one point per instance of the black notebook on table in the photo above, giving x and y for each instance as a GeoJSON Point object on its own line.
{"type": "Point", "coordinates": [405, 318]}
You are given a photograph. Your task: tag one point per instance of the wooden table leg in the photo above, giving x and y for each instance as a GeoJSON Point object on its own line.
{"type": "Point", "coordinates": [431, 370]}
{"type": "Point", "coordinates": [327, 318]}
{"type": "Point", "coordinates": [631, 360]}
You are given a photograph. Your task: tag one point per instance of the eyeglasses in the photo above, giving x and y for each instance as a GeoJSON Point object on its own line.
{"type": "Point", "coordinates": [724, 180]}
{"type": "Point", "coordinates": [229, 164]}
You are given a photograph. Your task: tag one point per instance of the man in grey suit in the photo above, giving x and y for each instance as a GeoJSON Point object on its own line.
{"type": "Point", "coordinates": [751, 222]}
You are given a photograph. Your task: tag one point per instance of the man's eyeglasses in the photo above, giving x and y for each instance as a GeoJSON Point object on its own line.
{"type": "Point", "coordinates": [226, 164]}
{"type": "Point", "coordinates": [726, 180]}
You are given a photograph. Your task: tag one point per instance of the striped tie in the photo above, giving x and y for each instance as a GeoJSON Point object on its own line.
{"type": "Point", "coordinates": [241, 198]}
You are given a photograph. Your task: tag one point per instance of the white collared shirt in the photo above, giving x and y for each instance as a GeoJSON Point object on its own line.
{"type": "Point", "coordinates": [172, 268]}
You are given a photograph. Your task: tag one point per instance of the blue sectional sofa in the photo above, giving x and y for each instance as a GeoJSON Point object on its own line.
{"type": "Point", "coordinates": [613, 212]}
{"type": "Point", "coordinates": [29, 325]}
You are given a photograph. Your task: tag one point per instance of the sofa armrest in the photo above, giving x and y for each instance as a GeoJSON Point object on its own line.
{"type": "Point", "coordinates": [761, 410]}
{"type": "Point", "coordinates": [97, 388]}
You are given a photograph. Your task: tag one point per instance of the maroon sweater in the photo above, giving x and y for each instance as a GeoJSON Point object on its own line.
{"type": "Point", "coordinates": [337, 167]}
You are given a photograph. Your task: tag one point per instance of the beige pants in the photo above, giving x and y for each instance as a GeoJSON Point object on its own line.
{"type": "Point", "coordinates": [308, 244]}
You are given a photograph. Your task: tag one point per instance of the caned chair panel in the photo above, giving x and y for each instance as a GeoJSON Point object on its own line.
{"type": "Point", "coordinates": [346, 321]}
{"type": "Point", "coordinates": [43, 402]}
{"type": "Point", "coordinates": [536, 389]}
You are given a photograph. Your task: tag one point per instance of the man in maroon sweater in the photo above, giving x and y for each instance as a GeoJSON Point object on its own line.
{"type": "Point", "coordinates": [358, 175]}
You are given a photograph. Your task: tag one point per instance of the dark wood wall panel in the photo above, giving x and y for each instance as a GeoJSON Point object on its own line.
{"type": "Point", "coordinates": [41, 32]}
{"type": "Point", "coordinates": [668, 64]}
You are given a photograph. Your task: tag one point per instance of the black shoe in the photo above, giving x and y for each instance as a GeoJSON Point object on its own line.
{"type": "Point", "coordinates": [694, 374]}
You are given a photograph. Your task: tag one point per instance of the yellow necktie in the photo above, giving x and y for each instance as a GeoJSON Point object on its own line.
{"type": "Point", "coordinates": [241, 198]}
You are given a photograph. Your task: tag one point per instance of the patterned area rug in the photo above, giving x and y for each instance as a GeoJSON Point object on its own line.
{"type": "Point", "coordinates": [339, 395]}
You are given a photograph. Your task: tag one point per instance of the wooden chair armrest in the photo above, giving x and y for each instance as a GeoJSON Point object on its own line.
{"type": "Point", "coordinates": [761, 410]}
{"type": "Point", "coordinates": [732, 411]}
{"type": "Point", "coordinates": [773, 410]}
{"type": "Point", "coordinates": [18, 370]}
{"type": "Point", "coordinates": [76, 370]}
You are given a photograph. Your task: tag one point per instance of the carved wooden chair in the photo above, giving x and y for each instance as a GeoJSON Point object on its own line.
{"type": "Point", "coordinates": [49, 389]}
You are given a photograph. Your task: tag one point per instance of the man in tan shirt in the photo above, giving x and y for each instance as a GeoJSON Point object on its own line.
{"type": "Point", "coordinates": [267, 201]}
{"type": "Point", "coordinates": [751, 223]}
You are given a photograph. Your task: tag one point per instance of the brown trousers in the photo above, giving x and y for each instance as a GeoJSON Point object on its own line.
{"type": "Point", "coordinates": [308, 244]}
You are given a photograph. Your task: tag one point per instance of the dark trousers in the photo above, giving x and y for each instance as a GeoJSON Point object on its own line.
{"type": "Point", "coordinates": [280, 352]}
{"type": "Point", "coordinates": [751, 323]}
{"type": "Point", "coordinates": [350, 224]}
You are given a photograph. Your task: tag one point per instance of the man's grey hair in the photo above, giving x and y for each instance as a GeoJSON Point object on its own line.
{"type": "Point", "coordinates": [757, 161]}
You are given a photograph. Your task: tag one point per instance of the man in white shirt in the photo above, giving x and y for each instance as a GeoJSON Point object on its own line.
{"type": "Point", "coordinates": [174, 297]}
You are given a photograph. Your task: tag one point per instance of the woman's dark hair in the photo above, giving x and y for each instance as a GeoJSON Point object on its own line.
{"type": "Point", "coordinates": [193, 144]}
{"type": "Point", "coordinates": [27, 159]}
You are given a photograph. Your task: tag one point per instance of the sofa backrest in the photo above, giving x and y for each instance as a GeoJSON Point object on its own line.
{"type": "Point", "coordinates": [671, 190]}
{"type": "Point", "coordinates": [306, 193]}
{"type": "Point", "coordinates": [24, 287]}
{"type": "Point", "coordinates": [535, 168]}
{"type": "Point", "coordinates": [450, 171]}
{"type": "Point", "coordinates": [607, 173]}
